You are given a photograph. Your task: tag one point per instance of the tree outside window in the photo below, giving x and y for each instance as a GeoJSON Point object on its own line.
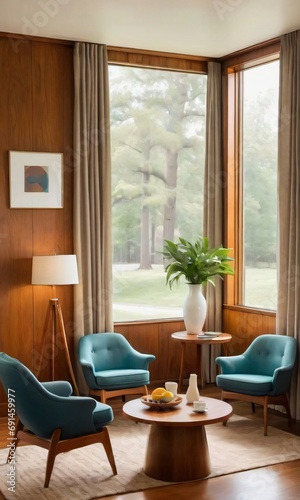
{"type": "Point", "coordinates": [260, 86]}
{"type": "Point", "coordinates": [158, 150]}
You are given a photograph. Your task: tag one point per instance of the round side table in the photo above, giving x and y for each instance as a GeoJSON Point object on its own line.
{"type": "Point", "coordinates": [177, 448]}
{"type": "Point", "coordinates": [188, 339]}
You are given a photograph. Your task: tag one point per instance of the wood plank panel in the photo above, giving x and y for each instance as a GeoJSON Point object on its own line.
{"type": "Point", "coordinates": [68, 106]}
{"type": "Point", "coordinates": [155, 338]}
{"type": "Point", "coordinates": [5, 236]}
{"type": "Point", "coordinates": [16, 227]}
{"type": "Point", "coordinates": [36, 114]}
{"type": "Point", "coordinates": [151, 59]}
{"type": "Point", "coordinates": [19, 100]}
{"type": "Point", "coordinates": [244, 326]}
{"type": "Point", "coordinates": [48, 96]}
{"type": "Point", "coordinates": [49, 111]}
{"type": "Point", "coordinates": [245, 57]}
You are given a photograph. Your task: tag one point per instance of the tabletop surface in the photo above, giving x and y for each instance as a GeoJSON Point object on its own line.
{"type": "Point", "coordinates": [194, 338]}
{"type": "Point", "coordinates": [181, 415]}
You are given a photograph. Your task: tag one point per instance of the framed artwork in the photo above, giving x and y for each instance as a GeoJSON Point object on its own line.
{"type": "Point", "coordinates": [36, 179]}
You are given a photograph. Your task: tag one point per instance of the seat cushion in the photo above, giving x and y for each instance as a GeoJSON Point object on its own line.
{"type": "Point", "coordinates": [102, 415]}
{"type": "Point", "coordinates": [255, 385]}
{"type": "Point", "coordinates": [121, 379]}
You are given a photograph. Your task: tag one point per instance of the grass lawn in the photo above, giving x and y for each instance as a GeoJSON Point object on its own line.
{"type": "Point", "coordinates": [143, 294]}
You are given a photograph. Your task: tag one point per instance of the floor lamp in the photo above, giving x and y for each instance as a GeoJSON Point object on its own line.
{"type": "Point", "coordinates": [56, 270]}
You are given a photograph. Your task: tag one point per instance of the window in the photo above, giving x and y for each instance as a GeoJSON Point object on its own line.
{"type": "Point", "coordinates": [158, 148]}
{"type": "Point", "coordinates": [258, 154]}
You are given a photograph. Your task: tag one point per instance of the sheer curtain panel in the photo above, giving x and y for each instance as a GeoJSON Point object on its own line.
{"type": "Point", "coordinates": [288, 307]}
{"type": "Point", "coordinates": [92, 193]}
{"type": "Point", "coordinates": [213, 222]}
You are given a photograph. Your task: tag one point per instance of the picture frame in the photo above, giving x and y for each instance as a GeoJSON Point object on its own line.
{"type": "Point", "coordinates": [36, 179]}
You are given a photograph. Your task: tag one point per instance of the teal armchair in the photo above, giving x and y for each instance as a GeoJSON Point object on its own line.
{"type": "Point", "coordinates": [50, 417]}
{"type": "Point", "coordinates": [262, 374]}
{"type": "Point", "coordinates": [112, 367]}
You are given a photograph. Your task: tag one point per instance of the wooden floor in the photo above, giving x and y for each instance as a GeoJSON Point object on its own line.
{"type": "Point", "coordinates": [280, 481]}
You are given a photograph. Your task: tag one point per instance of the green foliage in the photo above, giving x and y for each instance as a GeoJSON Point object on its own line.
{"type": "Point", "coordinates": [197, 262]}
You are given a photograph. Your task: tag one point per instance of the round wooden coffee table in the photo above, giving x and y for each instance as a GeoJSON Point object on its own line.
{"type": "Point", "coordinates": [193, 339]}
{"type": "Point", "coordinates": [177, 448]}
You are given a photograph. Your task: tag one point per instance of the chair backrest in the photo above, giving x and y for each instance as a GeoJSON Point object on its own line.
{"type": "Point", "coordinates": [41, 411]}
{"type": "Point", "coordinates": [106, 351]}
{"type": "Point", "coordinates": [268, 352]}
{"type": "Point", "coordinates": [28, 393]}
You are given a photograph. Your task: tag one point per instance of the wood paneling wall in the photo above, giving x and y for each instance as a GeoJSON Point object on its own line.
{"type": "Point", "coordinates": [246, 324]}
{"type": "Point", "coordinates": [155, 338]}
{"type": "Point", "coordinates": [242, 323]}
{"type": "Point", "coordinates": [150, 59]}
{"type": "Point", "coordinates": [36, 114]}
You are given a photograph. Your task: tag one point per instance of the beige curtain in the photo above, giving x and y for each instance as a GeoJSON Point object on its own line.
{"type": "Point", "coordinates": [288, 307]}
{"type": "Point", "coordinates": [213, 222]}
{"type": "Point", "coordinates": [92, 194]}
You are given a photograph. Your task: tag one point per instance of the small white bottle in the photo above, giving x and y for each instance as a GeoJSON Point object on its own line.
{"type": "Point", "coordinates": [192, 393]}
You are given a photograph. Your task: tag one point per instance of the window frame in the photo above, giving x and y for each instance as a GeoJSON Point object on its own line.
{"type": "Point", "coordinates": [233, 160]}
{"type": "Point", "coordinates": [157, 60]}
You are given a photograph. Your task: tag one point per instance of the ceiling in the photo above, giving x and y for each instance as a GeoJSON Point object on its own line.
{"type": "Point", "coordinates": [211, 28]}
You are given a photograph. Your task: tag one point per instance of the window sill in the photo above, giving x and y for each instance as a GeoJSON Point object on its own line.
{"type": "Point", "coordinates": [249, 310]}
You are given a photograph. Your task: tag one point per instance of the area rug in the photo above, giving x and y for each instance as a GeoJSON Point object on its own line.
{"type": "Point", "coordinates": [85, 474]}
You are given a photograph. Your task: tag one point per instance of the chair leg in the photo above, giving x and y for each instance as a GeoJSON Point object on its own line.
{"type": "Point", "coordinates": [103, 396]}
{"type": "Point", "coordinates": [222, 399]}
{"type": "Point", "coordinates": [253, 407]}
{"type": "Point", "coordinates": [265, 401]}
{"type": "Point", "coordinates": [105, 439]}
{"type": "Point", "coordinates": [51, 456]}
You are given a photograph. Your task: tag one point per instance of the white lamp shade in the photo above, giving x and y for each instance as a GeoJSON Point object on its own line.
{"type": "Point", "coordinates": [54, 270]}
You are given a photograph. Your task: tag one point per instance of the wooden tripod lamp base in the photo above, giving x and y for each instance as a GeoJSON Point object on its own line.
{"type": "Point", "coordinates": [56, 270]}
{"type": "Point", "coordinates": [55, 318]}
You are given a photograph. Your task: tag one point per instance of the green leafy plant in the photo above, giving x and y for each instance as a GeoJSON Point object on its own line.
{"type": "Point", "coordinates": [197, 262]}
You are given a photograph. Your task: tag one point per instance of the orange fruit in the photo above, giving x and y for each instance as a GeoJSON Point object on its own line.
{"type": "Point", "coordinates": [157, 393]}
{"type": "Point", "coordinates": [168, 394]}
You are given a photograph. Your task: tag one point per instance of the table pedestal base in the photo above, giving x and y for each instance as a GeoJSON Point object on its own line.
{"type": "Point", "coordinates": [177, 454]}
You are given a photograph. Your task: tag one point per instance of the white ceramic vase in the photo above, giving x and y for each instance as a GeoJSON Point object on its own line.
{"type": "Point", "coordinates": [192, 393]}
{"type": "Point", "coordinates": [194, 310]}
